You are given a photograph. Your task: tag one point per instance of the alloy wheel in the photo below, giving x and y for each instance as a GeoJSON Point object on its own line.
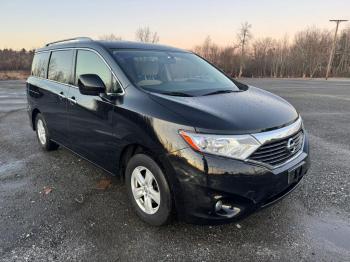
{"type": "Point", "coordinates": [41, 131]}
{"type": "Point", "coordinates": [145, 190]}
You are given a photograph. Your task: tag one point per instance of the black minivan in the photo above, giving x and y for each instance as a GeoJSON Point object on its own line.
{"type": "Point", "coordinates": [186, 139]}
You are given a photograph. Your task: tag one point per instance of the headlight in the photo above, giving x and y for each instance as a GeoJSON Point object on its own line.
{"type": "Point", "coordinates": [234, 146]}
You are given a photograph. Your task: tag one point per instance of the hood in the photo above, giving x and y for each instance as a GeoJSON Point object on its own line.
{"type": "Point", "coordinates": [250, 111]}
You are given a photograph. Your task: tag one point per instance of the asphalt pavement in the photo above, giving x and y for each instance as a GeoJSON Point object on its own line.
{"type": "Point", "coordinates": [52, 210]}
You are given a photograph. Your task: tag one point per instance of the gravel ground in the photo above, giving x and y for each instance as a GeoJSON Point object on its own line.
{"type": "Point", "coordinates": [76, 221]}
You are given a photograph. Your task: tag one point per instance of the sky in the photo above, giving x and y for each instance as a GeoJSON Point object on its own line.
{"type": "Point", "coordinates": [181, 23]}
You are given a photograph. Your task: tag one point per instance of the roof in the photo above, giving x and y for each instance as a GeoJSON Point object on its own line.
{"type": "Point", "coordinates": [86, 42]}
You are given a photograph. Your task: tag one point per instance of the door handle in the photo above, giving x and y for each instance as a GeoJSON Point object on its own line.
{"type": "Point", "coordinates": [72, 100]}
{"type": "Point", "coordinates": [61, 95]}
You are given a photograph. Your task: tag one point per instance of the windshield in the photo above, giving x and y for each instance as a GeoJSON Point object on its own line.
{"type": "Point", "coordinates": [173, 73]}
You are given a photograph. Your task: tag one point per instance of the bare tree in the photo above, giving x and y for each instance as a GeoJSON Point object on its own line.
{"type": "Point", "coordinates": [281, 57]}
{"type": "Point", "coordinates": [144, 34]}
{"type": "Point", "coordinates": [225, 58]}
{"type": "Point", "coordinates": [229, 60]}
{"type": "Point", "coordinates": [262, 56]}
{"type": "Point", "coordinates": [342, 55]}
{"type": "Point", "coordinates": [110, 37]}
{"type": "Point", "coordinates": [310, 52]}
{"type": "Point", "coordinates": [243, 36]}
{"type": "Point", "coordinates": [16, 60]}
{"type": "Point", "coordinates": [208, 50]}
{"type": "Point", "coordinates": [305, 56]}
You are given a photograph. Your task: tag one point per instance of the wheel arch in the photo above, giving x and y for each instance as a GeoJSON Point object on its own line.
{"type": "Point", "coordinates": [127, 152]}
{"type": "Point", "coordinates": [133, 149]}
{"type": "Point", "coordinates": [35, 112]}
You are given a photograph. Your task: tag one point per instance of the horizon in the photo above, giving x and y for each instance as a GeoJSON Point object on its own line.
{"type": "Point", "coordinates": [183, 24]}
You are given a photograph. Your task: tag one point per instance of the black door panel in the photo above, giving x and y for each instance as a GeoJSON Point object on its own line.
{"type": "Point", "coordinates": [91, 128]}
{"type": "Point", "coordinates": [55, 110]}
{"type": "Point", "coordinates": [90, 118]}
{"type": "Point", "coordinates": [49, 98]}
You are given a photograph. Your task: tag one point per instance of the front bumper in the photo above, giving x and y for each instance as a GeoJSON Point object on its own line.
{"type": "Point", "coordinates": [199, 181]}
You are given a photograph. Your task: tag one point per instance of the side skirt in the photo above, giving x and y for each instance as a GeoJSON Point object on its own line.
{"type": "Point", "coordinates": [77, 154]}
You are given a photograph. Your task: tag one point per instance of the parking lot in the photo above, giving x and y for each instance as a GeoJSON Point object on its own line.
{"type": "Point", "coordinates": [51, 207]}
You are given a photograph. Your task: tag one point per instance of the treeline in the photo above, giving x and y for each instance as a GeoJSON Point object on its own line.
{"type": "Point", "coordinates": [12, 60]}
{"type": "Point", "coordinates": [305, 56]}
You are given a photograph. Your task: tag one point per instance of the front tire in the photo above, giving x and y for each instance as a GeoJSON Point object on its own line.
{"type": "Point", "coordinates": [43, 134]}
{"type": "Point", "coordinates": [148, 190]}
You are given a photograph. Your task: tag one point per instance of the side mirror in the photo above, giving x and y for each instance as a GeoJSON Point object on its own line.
{"type": "Point", "coordinates": [91, 85]}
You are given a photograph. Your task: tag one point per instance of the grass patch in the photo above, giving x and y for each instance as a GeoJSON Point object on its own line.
{"type": "Point", "coordinates": [14, 75]}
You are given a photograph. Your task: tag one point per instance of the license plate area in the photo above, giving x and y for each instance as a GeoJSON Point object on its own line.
{"type": "Point", "coordinates": [295, 173]}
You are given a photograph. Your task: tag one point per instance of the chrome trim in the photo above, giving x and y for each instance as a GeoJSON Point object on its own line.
{"type": "Point", "coordinates": [72, 100]}
{"type": "Point", "coordinates": [88, 49]}
{"type": "Point", "coordinates": [54, 81]}
{"type": "Point", "coordinates": [34, 92]}
{"type": "Point", "coordinates": [284, 163]}
{"type": "Point", "coordinates": [61, 95]}
{"type": "Point", "coordinates": [115, 94]}
{"type": "Point", "coordinates": [277, 134]}
{"type": "Point", "coordinates": [289, 160]}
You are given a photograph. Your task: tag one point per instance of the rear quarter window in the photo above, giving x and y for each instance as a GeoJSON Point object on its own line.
{"type": "Point", "coordinates": [61, 66]}
{"type": "Point", "coordinates": [39, 65]}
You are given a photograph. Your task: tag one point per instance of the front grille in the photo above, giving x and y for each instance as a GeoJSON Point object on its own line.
{"type": "Point", "coordinates": [277, 152]}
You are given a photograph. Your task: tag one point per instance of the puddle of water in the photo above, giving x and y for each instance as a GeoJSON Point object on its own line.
{"type": "Point", "coordinates": [9, 188]}
{"type": "Point", "coordinates": [10, 167]}
{"type": "Point", "coordinates": [333, 231]}
{"type": "Point", "coordinates": [12, 101]}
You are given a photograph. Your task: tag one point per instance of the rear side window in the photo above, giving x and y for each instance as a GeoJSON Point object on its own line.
{"type": "Point", "coordinates": [39, 65]}
{"type": "Point", "coordinates": [60, 66]}
{"type": "Point", "coordinates": [89, 62]}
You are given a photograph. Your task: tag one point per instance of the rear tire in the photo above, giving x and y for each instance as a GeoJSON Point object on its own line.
{"type": "Point", "coordinates": [43, 134]}
{"type": "Point", "coordinates": [148, 190]}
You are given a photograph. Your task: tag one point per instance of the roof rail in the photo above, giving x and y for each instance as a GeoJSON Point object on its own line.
{"type": "Point", "coordinates": [69, 39]}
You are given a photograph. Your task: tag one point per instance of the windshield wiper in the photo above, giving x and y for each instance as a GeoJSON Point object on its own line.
{"type": "Point", "coordinates": [224, 91]}
{"type": "Point", "coordinates": [176, 94]}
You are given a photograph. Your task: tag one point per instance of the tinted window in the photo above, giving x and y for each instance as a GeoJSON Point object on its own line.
{"type": "Point", "coordinates": [39, 65]}
{"type": "Point", "coordinates": [60, 67]}
{"type": "Point", "coordinates": [89, 62]}
{"type": "Point", "coordinates": [172, 72]}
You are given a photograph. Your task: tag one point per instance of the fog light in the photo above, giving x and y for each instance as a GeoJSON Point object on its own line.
{"type": "Point", "coordinates": [218, 206]}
